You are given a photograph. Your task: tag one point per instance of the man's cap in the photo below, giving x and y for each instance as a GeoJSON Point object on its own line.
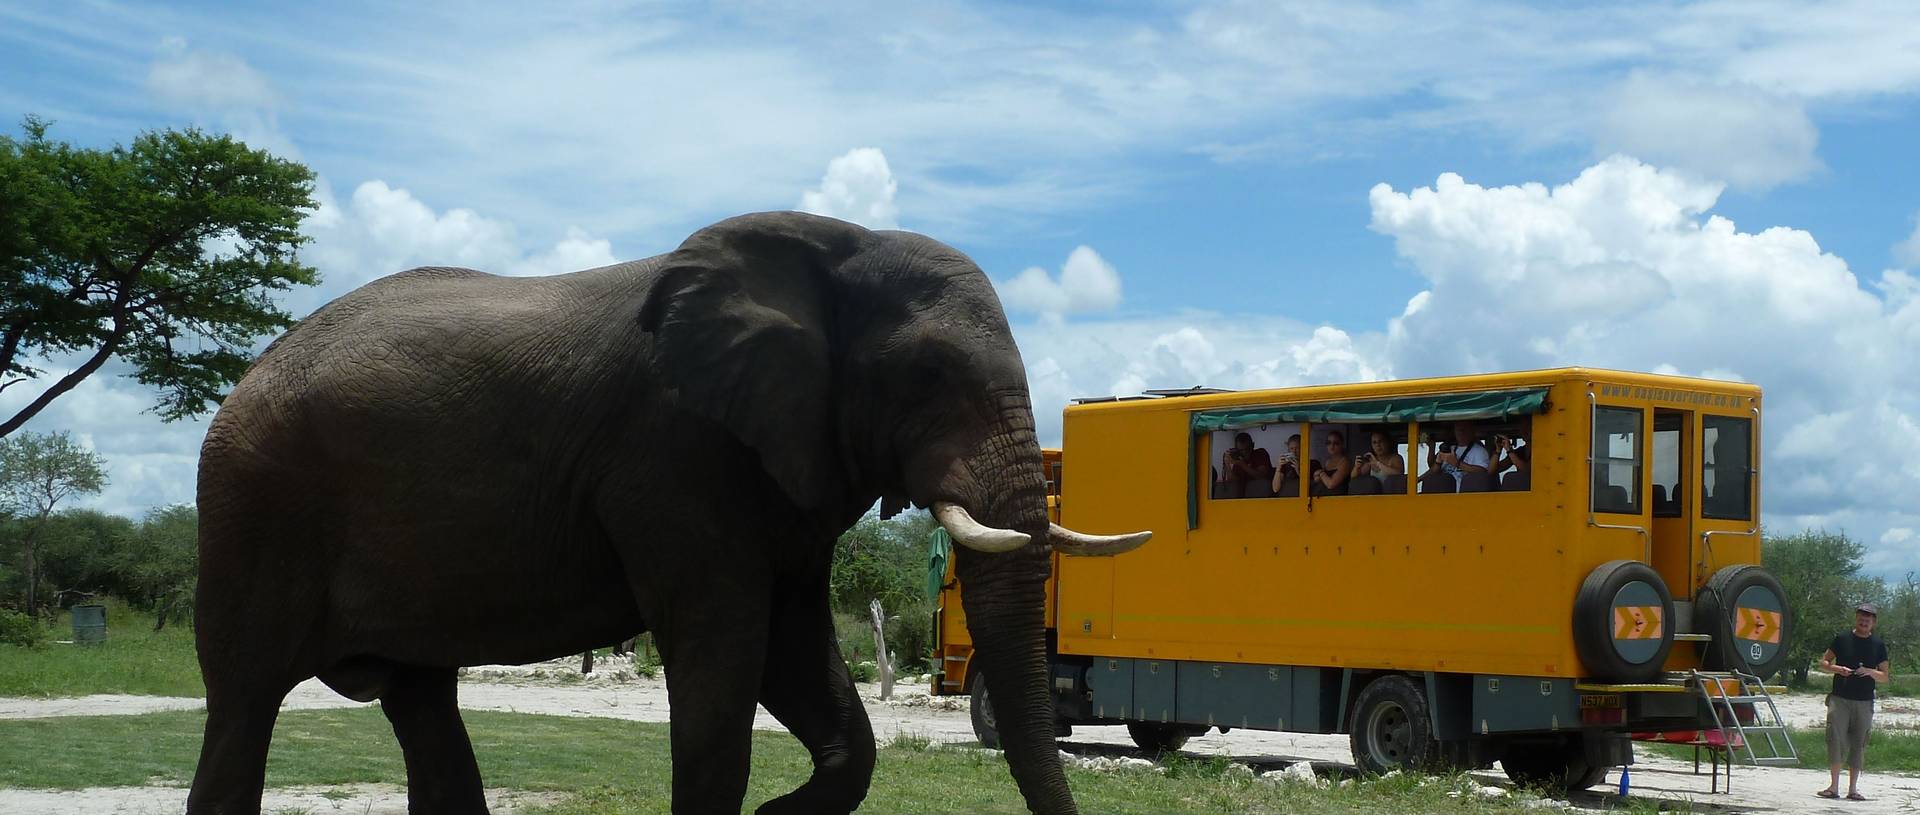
{"type": "Point", "coordinates": [1868, 608]}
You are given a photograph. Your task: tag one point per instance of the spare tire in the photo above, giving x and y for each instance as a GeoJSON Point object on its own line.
{"type": "Point", "coordinates": [1745, 609]}
{"type": "Point", "coordinates": [1622, 622]}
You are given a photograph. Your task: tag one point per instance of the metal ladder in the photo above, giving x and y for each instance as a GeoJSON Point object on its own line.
{"type": "Point", "coordinates": [1772, 747]}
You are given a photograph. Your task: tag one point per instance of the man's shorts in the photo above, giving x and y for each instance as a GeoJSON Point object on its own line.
{"type": "Point", "coordinates": [1848, 721]}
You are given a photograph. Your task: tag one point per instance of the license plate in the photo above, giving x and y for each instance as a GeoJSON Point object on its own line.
{"type": "Point", "coordinates": [1601, 700]}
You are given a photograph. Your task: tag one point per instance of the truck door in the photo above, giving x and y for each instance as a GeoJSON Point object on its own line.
{"type": "Point", "coordinates": [1671, 497]}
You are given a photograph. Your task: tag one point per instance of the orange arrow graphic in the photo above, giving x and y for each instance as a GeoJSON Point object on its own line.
{"type": "Point", "coordinates": [1757, 624]}
{"type": "Point", "coordinates": [1636, 622]}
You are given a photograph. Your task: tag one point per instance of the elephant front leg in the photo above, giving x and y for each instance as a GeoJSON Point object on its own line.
{"type": "Point", "coordinates": [808, 689]}
{"type": "Point", "coordinates": [714, 650]}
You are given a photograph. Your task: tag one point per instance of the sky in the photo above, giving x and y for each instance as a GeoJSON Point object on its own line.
{"type": "Point", "coordinates": [1235, 194]}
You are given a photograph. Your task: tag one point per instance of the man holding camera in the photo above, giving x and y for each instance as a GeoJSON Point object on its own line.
{"type": "Point", "coordinates": [1858, 660]}
{"type": "Point", "coordinates": [1244, 463]}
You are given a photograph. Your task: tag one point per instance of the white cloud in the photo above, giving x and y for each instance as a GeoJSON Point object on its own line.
{"type": "Point", "coordinates": [1739, 134]}
{"type": "Point", "coordinates": [578, 250]}
{"type": "Point", "coordinates": [1908, 251]}
{"type": "Point", "coordinates": [207, 80]}
{"type": "Point", "coordinates": [858, 187]}
{"type": "Point", "coordinates": [1124, 356]}
{"type": "Point", "coordinates": [1625, 267]}
{"type": "Point", "coordinates": [222, 91]}
{"type": "Point", "coordinates": [381, 229]}
{"type": "Point", "coordinates": [150, 463]}
{"type": "Point", "coordinates": [1087, 284]}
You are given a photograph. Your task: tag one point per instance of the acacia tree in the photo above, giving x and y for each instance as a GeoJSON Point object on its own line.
{"type": "Point", "coordinates": [163, 253]}
{"type": "Point", "coordinates": [155, 565]}
{"type": "Point", "coordinates": [37, 472]}
{"type": "Point", "coordinates": [1820, 572]}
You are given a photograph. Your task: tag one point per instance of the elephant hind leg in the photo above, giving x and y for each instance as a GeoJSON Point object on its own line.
{"type": "Point", "coordinates": [422, 706]}
{"type": "Point", "coordinates": [814, 696]}
{"type": "Point", "coordinates": [233, 752]}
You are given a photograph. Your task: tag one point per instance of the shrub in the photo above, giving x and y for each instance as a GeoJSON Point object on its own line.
{"type": "Point", "coordinates": [21, 629]}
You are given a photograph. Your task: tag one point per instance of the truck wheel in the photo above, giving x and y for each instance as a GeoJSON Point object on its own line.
{"type": "Point", "coordinates": [1623, 622]}
{"type": "Point", "coordinates": [1745, 609]}
{"type": "Point", "coordinates": [1391, 728]}
{"type": "Point", "coordinates": [1159, 737]}
{"type": "Point", "coordinates": [1557, 769]}
{"type": "Point", "coordinates": [981, 707]}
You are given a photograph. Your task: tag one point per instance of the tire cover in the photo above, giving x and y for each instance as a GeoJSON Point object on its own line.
{"type": "Point", "coordinates": [1758, 615]}
{"type": "Point", "coordinates": [1638, 622]}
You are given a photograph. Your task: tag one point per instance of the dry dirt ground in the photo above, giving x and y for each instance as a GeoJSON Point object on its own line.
{"type": "Point", "coordinates": [944, 720]}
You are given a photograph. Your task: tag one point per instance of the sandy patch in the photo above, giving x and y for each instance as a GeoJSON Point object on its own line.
{"type": "Point", "coordinates": [618, 693]}
{"type": "Point", "coordinates": [347, 799]}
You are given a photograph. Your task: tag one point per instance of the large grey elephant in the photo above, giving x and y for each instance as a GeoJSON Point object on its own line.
{"type": "Point", "coordinates": [448, 468]}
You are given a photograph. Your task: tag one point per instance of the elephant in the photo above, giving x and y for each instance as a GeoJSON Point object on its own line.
{"type": "Point", "coordinates": [446, 468]}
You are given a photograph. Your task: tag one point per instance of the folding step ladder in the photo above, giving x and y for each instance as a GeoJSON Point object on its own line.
{"type": "Point", "coordinates": [1764, 742]}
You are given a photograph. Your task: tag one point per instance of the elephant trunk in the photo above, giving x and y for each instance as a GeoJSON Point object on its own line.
{"type": "Point", "coordinates": [1004, 594]}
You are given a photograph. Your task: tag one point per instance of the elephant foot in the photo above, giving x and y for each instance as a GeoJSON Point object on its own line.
{"type": "Point", "coordinates": [809, 800]}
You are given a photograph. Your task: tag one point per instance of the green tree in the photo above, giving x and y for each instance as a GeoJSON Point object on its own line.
{"type": "Point", "coordinates": [1899, 624]}
{"type": "Point", "coordinates": [887, 560]}
{"type": "Point", "coordinates": [78, 548]}
{"type": "Point", "coordinates": [1820, 572]}
{"type": "Point", "coordinates": [163, 254]}
{"type": "Point", "coordinates": [37, 472]}
{"type": "Point", "coordinates": [156, 564]}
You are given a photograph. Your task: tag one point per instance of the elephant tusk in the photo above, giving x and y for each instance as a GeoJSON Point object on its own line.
{"type": "Point", "coordinates": [1069, 542]}
{"type": "Point", "coordinates": [974, 535]}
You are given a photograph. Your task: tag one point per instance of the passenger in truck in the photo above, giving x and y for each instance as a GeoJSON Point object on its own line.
{"type": "Point", "coordinates": [1515, 466]}
{"type": "Point", "coordinates": [1288, 469]}
{"type": "Point", "coordinates": [1332, 479]}
{"type": "Point", "coordinates": [1381, 460]}
{"type": "Point", "coordinates": [1467, 454]}
{"type": "Point", "coordinates": [1243, 463]}
{"type": "Point", "coordinates": [1512, 453]}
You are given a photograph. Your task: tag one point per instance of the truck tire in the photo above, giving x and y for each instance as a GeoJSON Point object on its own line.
{"type": "Point", "coordinates": [981, 709]}
{"type": "Point", "coordinates": [1623, 622]}
{"type": "Point", "coordinates": [1157, 738]}
{"type": "Point", "coordinates": [1745, 609]}
{"type": "Point", "coordinates": [1392, 728]}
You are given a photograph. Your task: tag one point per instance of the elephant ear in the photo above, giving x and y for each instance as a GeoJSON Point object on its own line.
{"type": "Point", "coordinates": [740, 318]}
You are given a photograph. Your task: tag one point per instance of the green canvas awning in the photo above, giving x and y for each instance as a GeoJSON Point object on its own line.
{"type": "Point", "coordinates": [1445, 407]}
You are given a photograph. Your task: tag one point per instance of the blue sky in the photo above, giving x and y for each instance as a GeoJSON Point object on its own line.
{"type": "Point", "coordinates": [1238, 194]}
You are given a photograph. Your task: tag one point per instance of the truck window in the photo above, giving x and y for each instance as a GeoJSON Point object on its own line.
{"type": "Point", "coordinates": [1380, 458]}
{"type": "Point", "coordinates": [1667, 482]}
{"type": "Point", "coordinates": [1726, 450]}
{"type": "Point", "coordinates": [1244, 462]}
{"type": "Point", "coordinates": [1616, 460]}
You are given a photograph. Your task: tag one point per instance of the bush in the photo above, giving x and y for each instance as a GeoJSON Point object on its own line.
{"type": "Point", "coordinates": [21, 629]}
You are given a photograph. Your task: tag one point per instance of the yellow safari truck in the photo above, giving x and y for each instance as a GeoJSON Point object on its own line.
{"type": "Point", "coordinates": [1525, 567]}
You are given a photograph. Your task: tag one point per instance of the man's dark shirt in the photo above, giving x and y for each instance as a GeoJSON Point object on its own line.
{"type": "Point", "coordinates": [1257, 465]}
{"type": "Point", "coordinates": [1856, 652]}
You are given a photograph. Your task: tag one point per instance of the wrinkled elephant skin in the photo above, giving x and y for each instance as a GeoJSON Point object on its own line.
{"type": "Point", "coordinates": [448, 468]}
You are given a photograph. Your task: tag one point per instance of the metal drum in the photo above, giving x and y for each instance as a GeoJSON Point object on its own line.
{"type": "Point", "coordinates": [90, 624]}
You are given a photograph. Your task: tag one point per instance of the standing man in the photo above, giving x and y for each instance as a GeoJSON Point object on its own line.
{"type": "Point", "coordinates": [1858, 660]}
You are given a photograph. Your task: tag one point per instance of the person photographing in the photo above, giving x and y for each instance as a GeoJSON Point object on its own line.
{"type": "Point", "coordinates": [1858, 661]}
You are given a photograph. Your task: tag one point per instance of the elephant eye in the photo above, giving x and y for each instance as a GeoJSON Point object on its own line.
{"type": "Point", "coordinates": [926, 375]}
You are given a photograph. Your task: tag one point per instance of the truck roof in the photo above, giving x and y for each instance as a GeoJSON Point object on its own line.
{"type": "Point", "coordinates": [1200, 398]}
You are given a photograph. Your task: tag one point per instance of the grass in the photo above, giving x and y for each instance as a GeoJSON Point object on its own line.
{"type": "Point", "coordinates": [609, 767]}
{"type": "Point", "coordinates": [1888, 750]}
{"type": "Point", "coordinates": [134, 660]}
